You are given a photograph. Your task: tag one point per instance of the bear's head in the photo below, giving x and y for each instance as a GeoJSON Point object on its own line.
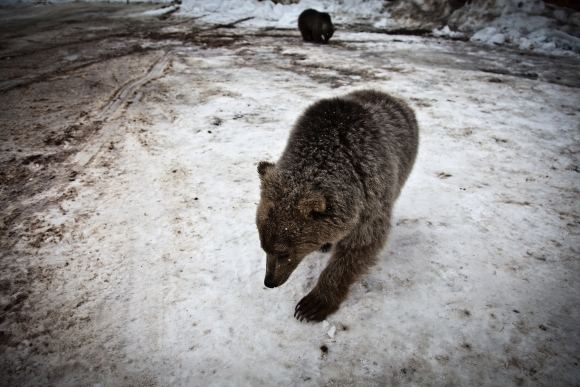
{"type": "Point", "coordinates": [294, 219]}
{"type": "Point", "coordinates": [327, 28]}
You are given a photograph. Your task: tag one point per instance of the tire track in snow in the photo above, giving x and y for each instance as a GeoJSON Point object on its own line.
{"type": "Point", "coordinates": [94, 143]}
{"type": "Point", "coordinates": [122, 95]}
{"type": "Point", "coordinates": [113, 107]}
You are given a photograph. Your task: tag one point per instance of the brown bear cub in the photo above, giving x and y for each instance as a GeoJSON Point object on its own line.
{"type": "Point", "coordinates": [336, 182]}
{"type": "Point", "coordinates": [315, 26]}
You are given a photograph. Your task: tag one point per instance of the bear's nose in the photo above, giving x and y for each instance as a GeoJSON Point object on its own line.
{"type": "Point", "coordinates": [269, 282]}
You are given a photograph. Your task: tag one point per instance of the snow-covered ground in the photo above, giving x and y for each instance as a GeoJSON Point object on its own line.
{"type": "Point", "coordinates": [129, 186]}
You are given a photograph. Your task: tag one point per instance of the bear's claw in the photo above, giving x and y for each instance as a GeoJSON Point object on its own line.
{"type": "Point", "coordinates": [313, 307]}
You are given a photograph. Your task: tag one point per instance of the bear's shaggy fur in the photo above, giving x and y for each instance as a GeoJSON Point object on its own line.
{"type": "Point", "coordinates": [336, 182]}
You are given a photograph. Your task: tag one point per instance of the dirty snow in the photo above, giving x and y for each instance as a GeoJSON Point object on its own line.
{"type": "Point", "coordinates": [129, 186]}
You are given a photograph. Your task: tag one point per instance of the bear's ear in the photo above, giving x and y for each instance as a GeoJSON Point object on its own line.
{"type": "Point", "coordinates": [264, 166]}
{"type": "Point", "coordinates": [312, 203]}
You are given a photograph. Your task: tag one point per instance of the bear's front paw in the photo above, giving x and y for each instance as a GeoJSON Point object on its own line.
{"type": "Point", "coordinates": [314, 307]}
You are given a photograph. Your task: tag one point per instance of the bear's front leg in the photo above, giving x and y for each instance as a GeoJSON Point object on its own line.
{"type": "Point", "coordinates": [345, 266]}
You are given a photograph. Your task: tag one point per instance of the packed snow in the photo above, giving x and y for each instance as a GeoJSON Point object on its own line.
{"type": "Point", "coordinates": [129, 187]}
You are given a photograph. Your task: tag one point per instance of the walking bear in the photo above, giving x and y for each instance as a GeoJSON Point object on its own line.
{"type": "Point", "coordinates": [343, 167]}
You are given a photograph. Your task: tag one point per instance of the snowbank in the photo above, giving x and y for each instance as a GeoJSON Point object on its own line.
{"type": "Point", "coordinates": [529, 25]}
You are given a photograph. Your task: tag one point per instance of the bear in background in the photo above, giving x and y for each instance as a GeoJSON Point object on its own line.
{"type": "Point", "coordinates": [315, 26]}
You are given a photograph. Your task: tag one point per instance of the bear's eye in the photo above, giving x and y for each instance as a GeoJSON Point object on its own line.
{"type": "Point", "coordinates": [283, 257]}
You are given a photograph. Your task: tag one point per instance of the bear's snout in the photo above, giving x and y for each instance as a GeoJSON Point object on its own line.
{"type": "Point", "coordinates": [269, 282]}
